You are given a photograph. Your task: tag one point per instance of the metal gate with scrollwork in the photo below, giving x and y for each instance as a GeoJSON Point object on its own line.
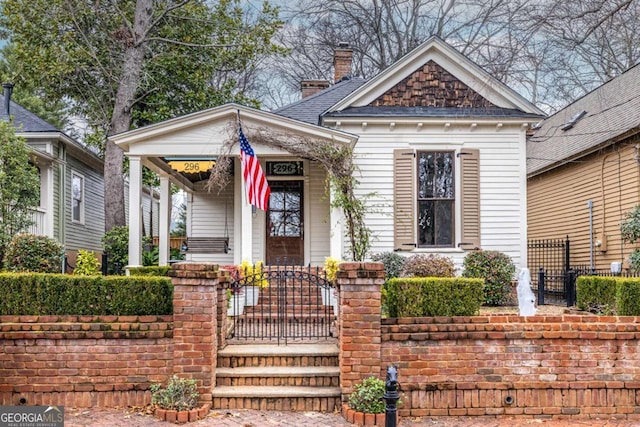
{"type": "Point", "coordinates": [281, 304]}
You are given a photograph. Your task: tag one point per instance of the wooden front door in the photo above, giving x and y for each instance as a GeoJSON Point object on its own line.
{"type": "Point", "coordinates": [285, 232]}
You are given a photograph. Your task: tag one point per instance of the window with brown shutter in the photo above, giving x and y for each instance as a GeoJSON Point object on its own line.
{"type": "Point", "coordinates": [424, 199]}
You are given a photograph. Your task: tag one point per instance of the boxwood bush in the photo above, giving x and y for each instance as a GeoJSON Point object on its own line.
{"type": "Point", "coordinates": [628, 297]}
{"type": "Point", "coordinates": [434, 296]}
{"type": "Point", "coordinates": [152, 270]}
{"type": "Point", "coordinates": [596, 294]}
{"type": "Point", "coordinates": [58, 294]}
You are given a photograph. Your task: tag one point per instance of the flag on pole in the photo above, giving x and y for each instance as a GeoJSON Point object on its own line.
{"type": "Point", "coordinates": [255, 181]}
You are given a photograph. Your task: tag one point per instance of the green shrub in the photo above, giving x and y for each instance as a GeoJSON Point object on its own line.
{"type": "Point", "coordinates": [497, 270]}
{"type": "Point", "coordinates": [596, 294]}
{"type": "Point", "coordinates": [392, 261]}
{"type": "Point", "coordinates": [634, 261]}
{"type": "Point", "coordinates": [58, 294]}
{"type": "Point", "coordinates": [628, 297]}
{"type": "Point", "coordinates": [153, 270]}
{"type": "Point", "coordinates": [433, 296]}
{"type": "Point", "coordinates": [180, 394]}
{"type": "Point", "coordinates": [116, 245]}
{"type": "Point", "coordinates": [367, 396]}
{"type": "Point", "coordinates": [87, 264]}
{"type": "Point", "coordinates": [151, 257]}
{"type": "Point", "coordinates": [31, 253]}
{"type": "Point", "coordinates": [428, 265]}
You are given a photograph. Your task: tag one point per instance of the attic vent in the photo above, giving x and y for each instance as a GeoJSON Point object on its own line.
{"type": "Point", "coordinates": [573, 121]}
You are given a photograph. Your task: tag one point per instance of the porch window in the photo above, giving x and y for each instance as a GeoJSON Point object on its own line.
{"type": "Point", "coordinates": [436, 198]}
{"type": "Point", "coordinates": [77, 197]}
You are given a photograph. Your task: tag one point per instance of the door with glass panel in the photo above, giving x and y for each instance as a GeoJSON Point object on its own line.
{"type": "Point", "coordinates": [285, 231]}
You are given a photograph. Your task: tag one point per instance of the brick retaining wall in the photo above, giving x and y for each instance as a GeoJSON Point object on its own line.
{"type": "Point", "coordinates": [110, 361]}
{"type": "Point", "coordinates": [83, 360]}
{"type": "Point", "coordinates": [540, 366]}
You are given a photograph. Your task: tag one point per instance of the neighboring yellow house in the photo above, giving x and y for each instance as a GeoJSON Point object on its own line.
{"type": "Point", "coordinates": [583, 172]}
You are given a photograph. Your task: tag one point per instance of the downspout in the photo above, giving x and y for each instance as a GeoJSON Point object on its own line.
{"type": "Point", "coordinates": [590, 206]}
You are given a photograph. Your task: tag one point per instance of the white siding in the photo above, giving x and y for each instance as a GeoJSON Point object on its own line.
{"type": "Point", "coordinates": [318, 231]}
{"type": "Point", "coordinates": [208, 212]}
{"type": "Point", "coordinates": [502, 181]}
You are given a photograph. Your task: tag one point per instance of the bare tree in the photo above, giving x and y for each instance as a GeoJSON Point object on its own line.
{"type": "Point", "coordinates": [552, 51]}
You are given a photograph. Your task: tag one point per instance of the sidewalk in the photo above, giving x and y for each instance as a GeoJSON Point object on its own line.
{"type": "Point", "coordinates": [251, 418]}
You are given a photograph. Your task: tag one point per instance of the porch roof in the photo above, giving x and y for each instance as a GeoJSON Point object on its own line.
{"type": "Point", "coordinates": [203, 134]}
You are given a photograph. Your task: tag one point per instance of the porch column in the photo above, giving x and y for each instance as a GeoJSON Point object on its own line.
{"type": "Point", "coordinates": [135, 211]}
{"type": "Point", "coordinates": [165, 216]}
{"type": "Point", "coordinates": [246, 220]}
{"type": "Point", "coordinates": [335, 221]}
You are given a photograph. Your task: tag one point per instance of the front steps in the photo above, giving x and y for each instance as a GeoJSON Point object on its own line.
{"type": "Point", "coordinates": [297, 377]}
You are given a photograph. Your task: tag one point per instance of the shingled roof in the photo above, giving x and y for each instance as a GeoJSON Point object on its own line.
{"type": "Point", "coordinates": [612, 112]}
{"type": "Point", "coordinates": [25, 120]}
{"type": "Point", "coordinates": [311, 108]}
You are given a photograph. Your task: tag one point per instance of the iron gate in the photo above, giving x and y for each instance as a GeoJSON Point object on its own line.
{"type": "Point", "coordinates": [282, 303]}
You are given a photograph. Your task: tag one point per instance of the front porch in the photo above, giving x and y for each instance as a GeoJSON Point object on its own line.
{"type": "Point", "coordinates": [299, 226]}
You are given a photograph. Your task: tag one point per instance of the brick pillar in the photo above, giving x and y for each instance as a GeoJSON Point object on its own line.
{"type": "Point", "coordinates": [359, 322]}
{"type": "Point", "coordinates": [194, 323]}
{"type": "Point", "coordinates": [223, 284]}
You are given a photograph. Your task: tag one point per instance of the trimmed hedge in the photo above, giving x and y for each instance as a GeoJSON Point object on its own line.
{"type": "Point", "coordinates": [628, 297]}
{"type": "Point", "coordinates": [609, 295]}
{"type": "Point", "coordinates": [596, 294]}
{"type": "Point", "coordinates": [152, 270]}
{"type": "Point", "coordinates": [58, 294]}
{"type": "Point", "coordinates": [434, 296]}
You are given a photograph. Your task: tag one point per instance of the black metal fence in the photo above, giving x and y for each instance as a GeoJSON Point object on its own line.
{"type": "Point", "coordinates": [553, 277]}
{"type": "Point", "coordinates": [282, 304]}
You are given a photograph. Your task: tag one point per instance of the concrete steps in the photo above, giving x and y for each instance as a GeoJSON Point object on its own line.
{"type": "Point", "coordinates": [297, 377]}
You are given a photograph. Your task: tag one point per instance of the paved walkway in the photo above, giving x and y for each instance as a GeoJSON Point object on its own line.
{"type": "Point", "coordinates": [252, 418]}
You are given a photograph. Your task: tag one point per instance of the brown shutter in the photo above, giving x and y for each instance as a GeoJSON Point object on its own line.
{"type": "Point", "coordinates": [404, 196]}
{"type": "Point", "coordinates": [470, 198]}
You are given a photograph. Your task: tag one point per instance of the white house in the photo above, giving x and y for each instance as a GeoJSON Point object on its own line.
{"type": "Point", "coordinates": [439, 145]}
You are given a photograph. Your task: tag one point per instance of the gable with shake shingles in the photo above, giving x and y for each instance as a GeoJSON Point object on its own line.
{"type": "Point", "coordinates": [432, 86]}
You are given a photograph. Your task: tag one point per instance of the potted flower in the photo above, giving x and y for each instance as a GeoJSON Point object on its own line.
{"type": "Point", "coordinates": [178, 401]}
{"type": "Point", "coordinates": [235, 300]}
{"type": "Point", "coordinates": [329, 293]}
{"type": "Point", "coordinates": [366, 405]}
{"type": "Point", "coordinates": [253, 278]}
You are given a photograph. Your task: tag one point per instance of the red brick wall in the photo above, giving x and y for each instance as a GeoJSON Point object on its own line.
{"type": "Point", "coordinates": [560, 366]}
{"type": "Point", "coordinates": [83, 361]}
{"type": "Point", "coordinates": [110, 361]}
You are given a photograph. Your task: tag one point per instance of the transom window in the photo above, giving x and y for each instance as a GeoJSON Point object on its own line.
{"type": "Point", "coordinates": [77, 197]}
{"type": "Point", "coordinates": [436, 198]}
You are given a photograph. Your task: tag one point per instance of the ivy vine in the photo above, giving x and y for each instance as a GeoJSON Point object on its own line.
{"type": "Point", "coordinates": [335, 157]}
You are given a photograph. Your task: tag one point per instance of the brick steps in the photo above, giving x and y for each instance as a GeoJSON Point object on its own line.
{"type": "Point", "coordinates": [297, 377]}
{"type": "Point", "coordinates": [308, 376]}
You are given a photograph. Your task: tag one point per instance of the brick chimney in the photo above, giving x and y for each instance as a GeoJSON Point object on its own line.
{"type": "Point", "coordinates": [311, 87]}
{"type": "Point", "coordinates": [342, 59]}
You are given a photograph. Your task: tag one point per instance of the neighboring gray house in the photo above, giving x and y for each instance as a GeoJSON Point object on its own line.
{"type": "Point", "coordinates": [71, 207]}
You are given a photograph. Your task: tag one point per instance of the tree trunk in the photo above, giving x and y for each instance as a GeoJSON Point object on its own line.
{"type": "Point", "coordinates": [121, 117]}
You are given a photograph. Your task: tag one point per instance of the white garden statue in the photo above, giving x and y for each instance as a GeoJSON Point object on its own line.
{"type": "Point", "coordinates": [526, 298]}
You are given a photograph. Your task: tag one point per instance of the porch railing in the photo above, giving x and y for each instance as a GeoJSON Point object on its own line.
{"type": "Point", "coordinates": [38, 227]}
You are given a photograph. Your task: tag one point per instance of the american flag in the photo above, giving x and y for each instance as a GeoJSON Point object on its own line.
{"type": "Point", "coordinates": [258, 190]}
